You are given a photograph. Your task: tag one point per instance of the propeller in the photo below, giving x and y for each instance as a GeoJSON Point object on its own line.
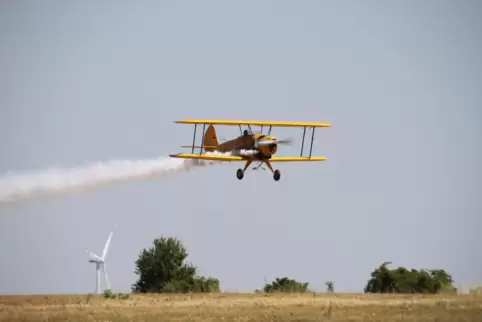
{"type": "Point", "coordinates": [268, 142]}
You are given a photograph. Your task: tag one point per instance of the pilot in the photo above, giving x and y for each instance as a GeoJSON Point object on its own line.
{"type": "Point", "coordinates": [246, 133]}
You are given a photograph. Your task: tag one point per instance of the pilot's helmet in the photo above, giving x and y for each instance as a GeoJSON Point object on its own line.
{"type": "Point", "coordinates": [245, 133]}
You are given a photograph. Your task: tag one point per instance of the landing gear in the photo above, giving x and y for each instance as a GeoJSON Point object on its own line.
{"type": "Point", "coordinates": [276, 173]}
{"type": "Point", "coordinates": [240, 174]}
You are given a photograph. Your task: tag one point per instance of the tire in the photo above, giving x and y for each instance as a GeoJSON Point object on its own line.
{"type": "Point", "coordinates": [240, 174]}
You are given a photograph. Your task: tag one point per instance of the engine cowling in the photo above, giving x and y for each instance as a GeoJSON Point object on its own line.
{"type": "Point", "coordinates": [265, 147]}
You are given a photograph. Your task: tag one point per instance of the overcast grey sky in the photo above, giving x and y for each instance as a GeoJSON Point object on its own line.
{"type": "Point", "coordinates": [399, 80]}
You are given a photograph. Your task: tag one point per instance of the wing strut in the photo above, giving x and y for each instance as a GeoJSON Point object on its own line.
{"type": "Point", "coordinates": [303, 141]}
{"type": "Point", "coordinates": [194, 138]}
{"type": "Point", "coordinates": [312, 138]}
{"type": "Point", "coordinates": [202, 139]}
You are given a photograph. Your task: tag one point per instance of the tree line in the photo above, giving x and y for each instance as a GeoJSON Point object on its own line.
{"type": "Point", "coordinates": [162, 269]}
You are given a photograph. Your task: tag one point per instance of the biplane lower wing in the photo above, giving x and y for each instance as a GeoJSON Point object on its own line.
{"type": "Point", "coordinates": [221, 157]}
{"type": "Point", "coordinates": [208, 156]}
{"type": "Point", "coordinates": [249, 122]}
{"type": "Point", "coordinates": [297, 159]}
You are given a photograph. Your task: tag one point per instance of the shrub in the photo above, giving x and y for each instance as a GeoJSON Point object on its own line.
{"type": "Point", "coordinates": [402, 280]}
{"type": "Point", "coordinates": [286, 284]}
{"type": "Point", "coordinates": [161, 269]}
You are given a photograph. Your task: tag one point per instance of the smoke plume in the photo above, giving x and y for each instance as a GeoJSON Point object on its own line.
{"type": "Point", "coordinates": [22, 186]}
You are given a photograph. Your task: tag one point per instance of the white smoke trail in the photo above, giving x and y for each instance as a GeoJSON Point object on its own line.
{"type": "Point", "coordinates": [15, 187]}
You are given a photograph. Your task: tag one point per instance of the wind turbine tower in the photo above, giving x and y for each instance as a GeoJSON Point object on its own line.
{"type": "Point", "coordinates": [99, 262]}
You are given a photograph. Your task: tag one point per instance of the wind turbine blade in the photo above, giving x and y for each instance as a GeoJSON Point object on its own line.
{"type": "Point", "coordinates": [94, 256]}
{"type": "Point", "coordinates": [104, 268]}
{"type": "Point", "coordinates": [106, 247]}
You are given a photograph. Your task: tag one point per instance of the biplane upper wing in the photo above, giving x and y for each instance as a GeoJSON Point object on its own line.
{"type": "Point", "coordinates": [296, 159]}
{"type": "Point", "coordinates": [248, 122]}
{"type": "Point", "coordinates": [208, 156]}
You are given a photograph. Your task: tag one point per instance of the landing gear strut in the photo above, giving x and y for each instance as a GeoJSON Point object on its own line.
{"type": "Point", "coordinates": [240, 172]}
{"type": "Point", "coordinates": [276, 173]}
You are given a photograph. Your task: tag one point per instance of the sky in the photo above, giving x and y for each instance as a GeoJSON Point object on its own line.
{"type": "Point", "coordinates": [399, 81]}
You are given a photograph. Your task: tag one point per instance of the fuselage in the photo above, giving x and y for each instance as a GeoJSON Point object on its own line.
{"type": "Point", "coordinates": [248, 142]}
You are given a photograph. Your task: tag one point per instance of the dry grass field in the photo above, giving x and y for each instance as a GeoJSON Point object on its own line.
{"type": "Point", "coordinates": [243, 307]}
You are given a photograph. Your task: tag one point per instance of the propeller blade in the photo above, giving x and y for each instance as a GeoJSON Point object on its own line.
{"type": "Point", "coordinates": [267, 142]}
{"type": "Point", "coordinates": [285, 141]}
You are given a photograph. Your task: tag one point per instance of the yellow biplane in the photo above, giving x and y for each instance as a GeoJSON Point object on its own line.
{"type": "Point", "coordinates": [249, 146]}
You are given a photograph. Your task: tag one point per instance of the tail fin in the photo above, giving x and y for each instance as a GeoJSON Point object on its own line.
{"type": "Point", "coordinates": [210, 138]}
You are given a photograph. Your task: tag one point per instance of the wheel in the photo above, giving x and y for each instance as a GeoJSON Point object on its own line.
{"type": "Point", "coordinates": [240, 174]}
{"type": "Point", "coordinates": [276, 175]}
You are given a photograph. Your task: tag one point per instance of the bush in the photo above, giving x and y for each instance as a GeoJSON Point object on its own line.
{"type": "Point", "coordinates": [402, 280]}
{"type": "Point", "coordinates": [161, 269]}
{"type": "Point", "coordinates": [330, 286]}
{"type": "Point", "coordinates": [286, 285]}
{"type": "Point", "coordinates": [108, 294]}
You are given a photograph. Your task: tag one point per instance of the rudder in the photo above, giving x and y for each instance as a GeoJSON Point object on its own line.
{"type": "Point", "coordinates": [210, 138]}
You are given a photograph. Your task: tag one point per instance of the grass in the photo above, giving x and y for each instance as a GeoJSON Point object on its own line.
{"type": "Point", "coordinates": [242, 307]}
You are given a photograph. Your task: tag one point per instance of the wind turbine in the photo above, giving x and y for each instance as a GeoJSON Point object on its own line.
{"type": "Point", "coordinates": [100, 263]}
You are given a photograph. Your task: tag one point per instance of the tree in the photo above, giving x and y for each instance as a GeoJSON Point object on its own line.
{"type": "Point", "coordinates": [402, 280]}
{"type": "Point", "coordinates": [286, 284]}
{"type": "Point", "coordinates": [444, 280]}
{"type": "Point", "coordinates": [162, 269]}
{"type": "Point", "coordinates": [381, 281]}
{"type": "Point", "coordinates": [330, 287]}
